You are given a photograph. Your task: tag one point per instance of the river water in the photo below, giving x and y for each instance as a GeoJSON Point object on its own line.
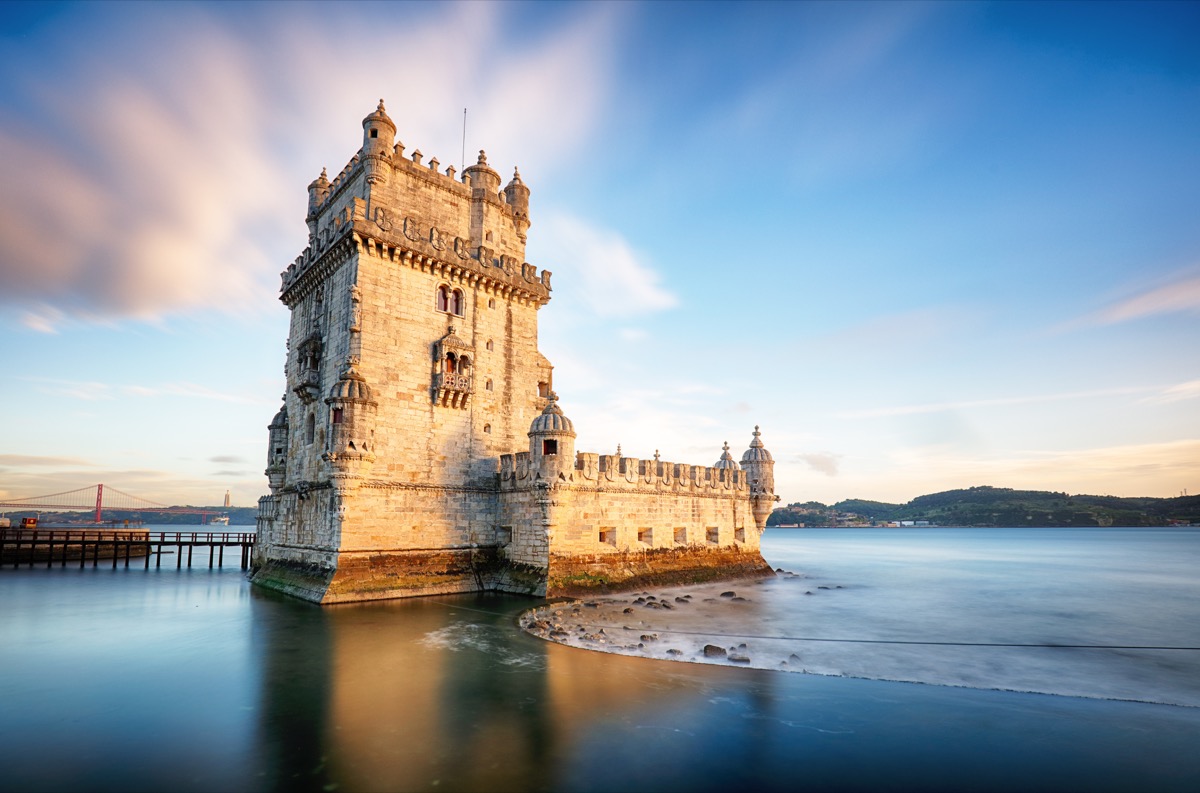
{"type": "Point", "coordinates": [193, 681]}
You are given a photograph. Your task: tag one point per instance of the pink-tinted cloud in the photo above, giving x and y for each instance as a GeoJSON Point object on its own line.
{"type": "Point", "coordinates": [162, 168]}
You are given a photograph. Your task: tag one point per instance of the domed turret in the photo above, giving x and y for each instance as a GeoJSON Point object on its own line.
{"type": "Point", "coordinates": [482, 177]}
{"type": "Point", "coordinates": [277, 449]}
{"type": "Point", "coordinates": [351, 420]}
{"type": "Point", "coordinates": [352, 387]}
{"type": "Point", "coordinates": [760, 472]}
{"type": "Point", "coordinates": [379, 133]}
{"type": "Point", "coordinates": [552, 442]}
{"type": "Point", "coordinates": [726, 461]}
{"type": "Point", "coordinates": [517, 196]}
{"type": "Point", "coordinates": [318, 191]}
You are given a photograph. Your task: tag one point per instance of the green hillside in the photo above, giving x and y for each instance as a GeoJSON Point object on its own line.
{"type": "Point", "coordinates": [999, 506]}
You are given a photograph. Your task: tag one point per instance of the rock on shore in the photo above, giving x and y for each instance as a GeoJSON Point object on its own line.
{"type": "Point", "coordinates": [718, 623]}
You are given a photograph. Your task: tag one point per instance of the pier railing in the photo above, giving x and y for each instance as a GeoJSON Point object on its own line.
{"type": "Point", "coordinates": [57, 545]}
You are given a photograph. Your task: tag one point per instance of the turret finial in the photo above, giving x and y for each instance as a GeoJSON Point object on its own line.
{"type": "Point", "coordinates": [656, 455]}
{"type": "Point", "coordinates": [380, 108]}
{"type": "Point", "coordinates": [482, 157]}
{"type": "Point", "coordinates": [618, 450]}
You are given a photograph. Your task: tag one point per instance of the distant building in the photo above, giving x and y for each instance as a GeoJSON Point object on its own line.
{"type": "Point", "coordinates": [421, 449]}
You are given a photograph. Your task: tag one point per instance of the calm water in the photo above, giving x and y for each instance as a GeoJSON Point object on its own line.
{"type": "Point", "coordinates": [190, 680]}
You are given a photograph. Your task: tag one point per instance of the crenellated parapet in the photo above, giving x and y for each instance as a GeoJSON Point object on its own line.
{"type": "Point", "coordinates": [628, 474]}
{"type": "Point", "coordinates": [410, 242]}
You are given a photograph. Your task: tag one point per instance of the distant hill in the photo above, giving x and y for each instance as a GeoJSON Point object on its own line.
{"type": "Point", "coordinates": [999, 506]}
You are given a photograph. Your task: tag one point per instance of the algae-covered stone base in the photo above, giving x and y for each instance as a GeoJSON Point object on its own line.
{"type": "Point", "coordinates": [400, 574]}
{"type": "Point", "coordinates": [579, 575]}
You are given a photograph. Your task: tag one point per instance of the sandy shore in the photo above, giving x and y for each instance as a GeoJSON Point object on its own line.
{"type": "Point", "coordinates": [718, 623]}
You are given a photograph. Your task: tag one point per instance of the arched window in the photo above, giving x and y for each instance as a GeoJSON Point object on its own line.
{"type": "Point", "coordinates": [489, 385]}
{"type": "Point", "coordinates": [456, 302]}
{"type": "Point", "coordinates": [310, 428]}
{"type": "Point", "coordinates": [464, 366]}
{"type": "Point", "coordinates": [491, 302]}
{"type": "Point", "coordinates": [487, 428]}
{"type": "Point", "coordinates": [442, 302]}
{"type": "Point", "coordinates": [451, 363]}
{"type": "Point", "coordinates": [489, 345]}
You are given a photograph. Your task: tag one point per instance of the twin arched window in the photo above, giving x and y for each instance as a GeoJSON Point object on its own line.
{"type": "Point", "coordinates": [457, 364]}
{"type": "Point", "coordinates": [450, 300]}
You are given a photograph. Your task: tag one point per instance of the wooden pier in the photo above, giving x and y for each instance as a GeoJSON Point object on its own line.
{"type": "Point", "coordinates": [58, 546]}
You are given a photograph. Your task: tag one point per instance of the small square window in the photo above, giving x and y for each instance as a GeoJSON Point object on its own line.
{"type": "Point", "coordinates": [608, 536]}
{"type": "Point", "coordinates": [504, 535]}
{"type": "Point", "coordinates": [549, 447]}
{"type": "Point", "coordinates": [739, 535]}
{"type": "Point", "coordinates": [646, 536]}
{"type": "Point", "coordinates": [713, 535]}
{"type": "Point", "coordinates": [680, 535]}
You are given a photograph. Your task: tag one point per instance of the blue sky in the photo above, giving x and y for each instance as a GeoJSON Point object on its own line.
{"type": "Point", "coordinates": [925, 246]}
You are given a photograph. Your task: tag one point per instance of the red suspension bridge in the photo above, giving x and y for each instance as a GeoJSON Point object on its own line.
{"type": "Point", "coordinates": [100, 498]}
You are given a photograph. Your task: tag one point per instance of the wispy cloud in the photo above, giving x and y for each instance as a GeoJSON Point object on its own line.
{"type": "Point", "coordinates": [1176, 393]}
{"type": "Point", "coordinates": [172, 180]}
{"type": "Point", "coordinates": [90, 390]}
{"type": "Point", "coordinates": [1183, 295]}
{"type": "Point", "coordinates": [937, 407]}
{"type": "Point", "coordinates": [25, 460]}
{"type": "Point", "coordinates": [602, 269]}
{"type": "Point", "coordinates": [227, 458]}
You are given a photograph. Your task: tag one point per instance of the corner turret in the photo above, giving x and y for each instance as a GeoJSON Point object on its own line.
{"type": "Point", "coordinates": [277, 450]}
{"type": "Point", "coordinates": [379, 135]}
{"type": "Point", "coordinates": [318, 191]}
{"type": "Point", "coordinates": [760, 471]}
{"type": "Point", "coordinates": [352, 409]}
{"type": "Point", "coordinates": [552, 443]}
{"type": "Point", "coordinates": [516, 195]}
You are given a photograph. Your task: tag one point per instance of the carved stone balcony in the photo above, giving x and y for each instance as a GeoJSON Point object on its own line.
{"type": "Point", "coordinates": [308, 386]}
{"type": "Point", "coordinates": [452, 390]}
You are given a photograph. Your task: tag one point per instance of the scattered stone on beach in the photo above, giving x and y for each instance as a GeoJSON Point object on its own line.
{"type": "Point", "coordinates": [628, 610]}
{"type": "Point", "coordinates": [592, 605]}
{"type": "Point", "coordinates": [681, 600]}
{"type": "Point", "coordinates": [793, 658]}
{"type": "Point", "coordinates": [809, 592]}
{"type": "Point", "coordinates": [672, 651]}
{"type": "Point", "coordinates": [640, 600]}
{"type": "Point", "coordinates": [664, 604]}
{"type": "Point", "coordinates": [839, 586]}
{"type": "Point", "coordinates": [713, 651]}
{"type": "Point", "coordinates": [651, 597]}
{"type": "Point", "coordinates": [822, 587]}
{"type": "Point", "coordinates": [729, 594]}
{"type": "Point", "coordinates": [738, 658]}
{"type": "Point", "coordinates": [779, 569]}
{"type": "Point", "coordinates": [710, 600]}
{"type": "Point", "coordinates": [649, 637]}
{"type": "Point", "coordinates": [739, 598]}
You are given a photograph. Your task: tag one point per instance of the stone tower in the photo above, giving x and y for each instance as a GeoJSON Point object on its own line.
{"type": "Point", "coordinates": [420, 448]}
{"type": "Point", "coordinates": [412, 365]}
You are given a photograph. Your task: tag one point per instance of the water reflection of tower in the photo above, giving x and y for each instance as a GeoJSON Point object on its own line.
{"type": "Point", "coordinates": [226, 499]}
